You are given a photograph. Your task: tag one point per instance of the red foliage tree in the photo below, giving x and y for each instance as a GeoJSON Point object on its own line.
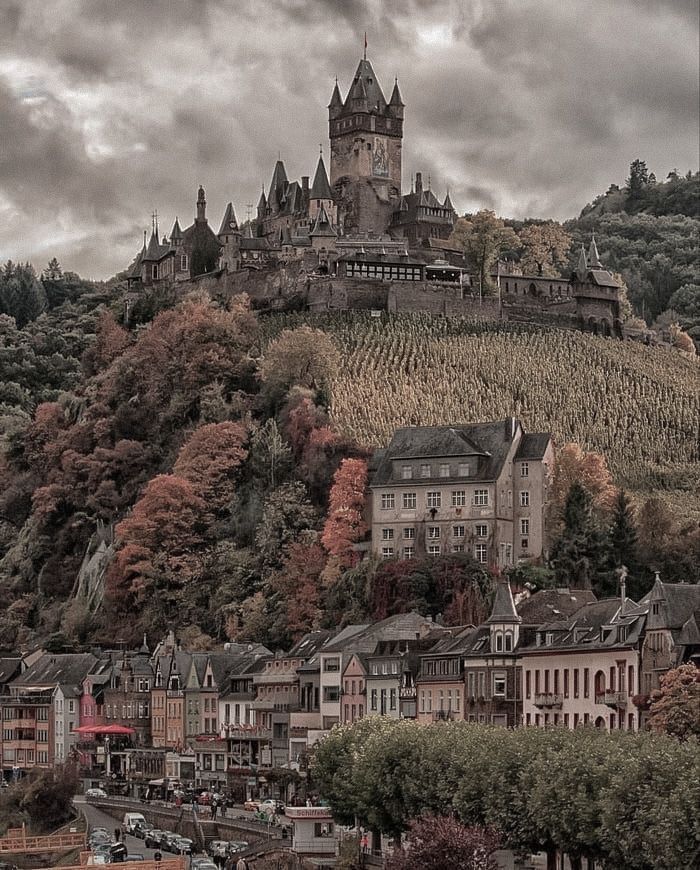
{"type": "Point", "coordinates": [159, 535]}
{"type": "Point", "coordinates": [437, 842]}
{"type": "Point", "coordinates": [298, 586]}
{"type": "Point", "coordinates": [111, 341]}
{"type": "Point", "coordinates": [209, 459]}
{"type": "Point", "coordinates": [675, 707]}
{"type": "Point", "coordinates": [345, 524]}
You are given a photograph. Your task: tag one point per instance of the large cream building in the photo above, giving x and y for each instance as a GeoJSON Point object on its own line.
{"type": "Point", "coordinates": [477, 488]}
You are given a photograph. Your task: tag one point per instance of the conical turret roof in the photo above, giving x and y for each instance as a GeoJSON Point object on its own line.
{"type": "Point", "coordinates": [593, 258]}
{"type": "Point", "coordinates": [336, 100]}
{"type": "Point", "coordinates": [503, 609]}
{"type": "Point", "coordinates": [396, 95]}
{"type": "Point", "coordinates": [176, 232]}
{"type": "Point", "coordinates": [582, 267]}
{"type": "Point", "coordinates": [153, 249]}
{"type": "Point", "coordinates": [228, 222]}
{"type": "Point", "coordinates": [448, 202]}
{"type": "Point", "coordinates": [262, 202]}
{"type": "Point", "coordinates": [321, 189]}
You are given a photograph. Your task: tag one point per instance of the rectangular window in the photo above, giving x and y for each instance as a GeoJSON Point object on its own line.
{"type": "Point", "coordinates": [434, 550]}
{"type": "Point", "coordinates": [406, 472]}
{"type": "Point", "coordinates": [425, 471]}
{"type": "Point", "coordinates": [525, 498]}
{"type": "Point", "coordinates": [387, 534]}
{"type": "Point", "coordinates": [433, 532]}
{"type": "Point", "coordinates": [458, 531]}
{"type": "Point", "coordinates": [409, 534]}
{"type": "Point", "coordinates": [392, 699]}
{"type": "Point", "coordinates": [481, 531]}
{"type": "Point", "coordinates": [528, 683]}
{"type": "Point", "coordinates": [481, 497]}
{"type": "Point", "coordinates": [444, 470]}
{"type": "Point", "coordinates": [409, 501]}
{"type": "Point", "coordinates": [388, 501]}
{"type": "Point", "coordinates": [576, 683]}
{"type": "Point", "coordinates": [387, 552]}
{"type": "Point", "coordinates": [409, 552]}
{"type": "Point", "coordinates": [434, 499]}
{"type": "Point", "coordinates": [331, 665]}
{"type": "Point", "coordinates": [458, 548]}
{"type": "Point", "coordinates": [566, 682]}
{"type": "Point", "coordinates": [585, 683]}
{"type": "Point", "coordinates": [480, 552]}
{"type": "Point", "coordinates": [463, 469]}
{"type": "Point", "coordinates": [373, 699]}
{"type": "Point", "coordinates": [524, 469]}
{"type": "Point", "coordinates": [499, 685]}
{"type": "Point", "coordinates": [459, 497]}
{"type": "Point", "coordinates": [524, 526]}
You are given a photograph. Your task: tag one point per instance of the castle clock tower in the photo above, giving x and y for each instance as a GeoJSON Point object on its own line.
{"type": "Point", "coordinates": [366, 134]}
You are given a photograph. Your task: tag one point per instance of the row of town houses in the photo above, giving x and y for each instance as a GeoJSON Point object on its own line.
{"type": "Point", "coordinates": [224, 719]}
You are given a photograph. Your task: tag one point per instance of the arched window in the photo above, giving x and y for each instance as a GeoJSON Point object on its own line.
{"type": "Point", "coordinates": [509, 642]}
{"type": "Point", "coordinates": [499, 641]}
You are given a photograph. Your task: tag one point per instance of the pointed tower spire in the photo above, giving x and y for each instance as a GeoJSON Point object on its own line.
{"type": "Point", "coordinates": [335, 107]}
{"type": "Point", "coordinates": [321, 189]}
{"type": "Point", "coordinates": [447, 204]}
{"type": "Point", "coordinates": [229, 224]}
{"type": "Point", "coordinates": [593, 258]}
{"type": "Point", "coordinates": [582, 267]}
{"type": "Point", "coordinates": [396, 104]}
{"type": "Point", "coordinates": [503, 609]}
{"type": "Point", "coordinates": [176, 232]}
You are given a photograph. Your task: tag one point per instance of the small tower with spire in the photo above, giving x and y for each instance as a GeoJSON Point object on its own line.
{"type": "Point", "coordinates": [504, 622]}
{"type": "Point", "coordinates": [321, 195]}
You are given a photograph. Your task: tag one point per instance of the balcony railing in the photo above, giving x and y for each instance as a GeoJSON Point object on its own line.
{"type": "Point", "coordinates": [548, 699]}
{"type": "Point", "coordinates": [443, 715]}
{"type": "Point", "coordinates": [615, 699]}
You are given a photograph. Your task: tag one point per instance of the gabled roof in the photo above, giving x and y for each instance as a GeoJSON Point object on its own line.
{"type": "Point", "coordinates": [9, 669]}
{"type": "Point", "coordinates": [681, 600]}
{"type": "Point", "coordinates": [401, 626]}
{"type": "Point", "coordinates": [56, 669]}
{"type": "Point", "coordinates": [321, 189]}
{"type": "Point", "coordinates": [533, 445]}
{"type": "Point", "coordinates": [551, 605]}
{"type": "Point", "coordinates": [307, 645]}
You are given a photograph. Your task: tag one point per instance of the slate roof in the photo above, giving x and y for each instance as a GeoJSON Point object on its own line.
{"type": "Point", "coordinates": [322, 226]}
{"type": "Point", "coordinates": [155, 251]}
{"type": "Point", "coordinates": [254, 244]}
{"type": "Point", "coordinates": [681, 600]}
{"type": "Point", "coordinates": [366, 86]}
{"type": "Point", "coordinates": [503, 609]}
{"type": "Point", "coordinates": [402, 626]}
{"type": "Point", "coordinates": [533, 445]}
{"type": "Point", "coordinates": [9, 668]}
{"type": "Point", "coordinates": [308, 645]}
{"type": "Point", "coordinates": [489, 441]}
{"type": "Point", "coordinates": [56, 669]}
{"type": "Point", "coordinates": [602, 278]}
{"type": "Point", "coordinates": [199, 663]}
{"type": "Point", "coordinates": [338, 641]}
{"type": "Point", "coordinates": [550, 605]}
{"type": "Point", "coordinates": [321, 189]}
{"type": "Point", "coordinates": [228, 222]}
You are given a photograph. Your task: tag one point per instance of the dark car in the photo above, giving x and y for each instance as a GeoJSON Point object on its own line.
{"type": "Point", "coordinates": [167, 841]}
{"type": "Point", "coordinates": [141, 829]}
{"type": "Point", "coordinates": [152, 838]}
{"type": "Point", "coordinates": [182, 846]}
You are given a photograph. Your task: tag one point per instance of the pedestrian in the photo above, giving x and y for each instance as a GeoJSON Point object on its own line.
{"type": "Point", "coordinates": [214, 807]}
{"type": "Point", "coordinates": [242, 864]}
{"type": "Point", "coordinates": [117, 834]}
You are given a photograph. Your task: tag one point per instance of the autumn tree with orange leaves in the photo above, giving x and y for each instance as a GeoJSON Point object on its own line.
{"type": "Point", "coordinates": [590, 470]}
{"type": "Point", "coordinates": [345, 524]}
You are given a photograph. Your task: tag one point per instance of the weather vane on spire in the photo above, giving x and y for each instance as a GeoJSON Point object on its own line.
{"type": "Point", "coordinates": [365, 54]}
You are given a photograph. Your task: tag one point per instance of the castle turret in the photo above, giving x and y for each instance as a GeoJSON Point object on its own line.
{"type": "Point", "coordinates": [335, 107]}
{"type": "Point", "coordinates": [321, 195]}
{"type": "Point", "coordinates": [582, 267]}
{"type": "Point", "coordinates": [201, 206]}
{"type": "Point", "coordinates": [262, 205]}
{"type": "Point", "coordinates": [396, 104]}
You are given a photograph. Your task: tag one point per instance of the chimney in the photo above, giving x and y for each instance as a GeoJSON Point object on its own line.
{"type": "Point", "coordinates": [305, 184]}
{"type": "Point", "coordinates": [511, 426]}
{"type": "Point", "coordinates": [419, 183]}
{"type": "Point", "coordinates": [623, 584]}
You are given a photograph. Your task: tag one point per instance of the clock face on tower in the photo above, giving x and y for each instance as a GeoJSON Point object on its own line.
{"type": "Point", "coordinates": [380, 158]}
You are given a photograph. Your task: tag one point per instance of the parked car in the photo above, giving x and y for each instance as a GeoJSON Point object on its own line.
{"type": "Point", "coordinates": [251, 806]}
{"type": "Point", "coordinates": [135, 856]}
{"type": "Point", "coordinates": [96, 793]}
{"type": "Point", "coordinates": [141, 829]}
{"type": "Point", "coordinates": [152, 838]}
{"type": "Point", "coordinates": [202, 864]}
{"type": "Point", "coordinates": [166, 840]}
{"type": "Point", "coordinates": [182, 846]}
{"type": "Point", "coordinates": [218, 849]}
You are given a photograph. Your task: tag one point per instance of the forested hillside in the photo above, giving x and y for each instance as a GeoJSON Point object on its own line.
{"type": "Point", "coordinates": [219, 457]}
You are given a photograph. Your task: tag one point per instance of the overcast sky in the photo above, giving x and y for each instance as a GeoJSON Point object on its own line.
{"type": "Point", "coordinates": [112, 108]}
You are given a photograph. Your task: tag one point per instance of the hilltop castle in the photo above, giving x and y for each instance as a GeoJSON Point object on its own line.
{"type": "Point", "coordinates": [357, 227]}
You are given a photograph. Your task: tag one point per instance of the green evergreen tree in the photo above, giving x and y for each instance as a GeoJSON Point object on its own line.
{"type": "Point", "coordinates": [623, 544]}
{"type": "Point", "coordinates": [22, 295]}
{"type": "Point", "coordinates": [581, 555]}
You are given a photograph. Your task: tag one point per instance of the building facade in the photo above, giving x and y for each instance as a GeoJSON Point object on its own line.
{"type": "Point", "coordinates": [479, 488]}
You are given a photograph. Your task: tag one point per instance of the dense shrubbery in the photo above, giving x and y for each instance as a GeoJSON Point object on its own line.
{"type": "Point", "coordinates": [627, 800]}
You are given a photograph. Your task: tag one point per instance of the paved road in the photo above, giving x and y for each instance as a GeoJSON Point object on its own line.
{"type": "Point", "coordinates": [98, 818]}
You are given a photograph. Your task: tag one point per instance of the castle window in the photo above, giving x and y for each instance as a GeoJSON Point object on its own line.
{"type": "Point", "coordinates": [183, 262]}
{"type": "Point", "coordinates": [459, 497]}
{"type": "Point", "coordinates": [524, 469]}
{"type": "Point", "coordinates": [409, 501]}
{"type": "Point", "coordinates": [408, 552]}
{"type": "Point", "coordinates": [434, 499]}
{"type": "Point", "coordinates": [388, 501]}
{"type": "Point", "coordinates": [481, 497]}
{"type": "Point", "coordinates": [433, 532]}
{"type": "Point", "coordinates": [525, 498]}
{"type": "Point", "coordinates": [458, 531]}
{"type": "Point", "coordinates": [406, 472]}
{"type": "Point", "coordinates": [409, 533]}
{"type": "Point", "coordinates": [524, 526]}
{"type": "Point", "coordinates": [480, 553]}
{"type": "Point", "coordinates": [387, 534]}
{"type": "Point", "coordinates": [444, 470]}
{"type": "Point", "coordinates": [481, 531]}
{"type": "Point", "coordinates": [425, 471]}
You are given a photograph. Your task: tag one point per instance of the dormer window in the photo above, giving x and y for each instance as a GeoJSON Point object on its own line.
{"type": "Point", "coordinates": [509, 642]}
{"type": "Point", "coordinates": [549, 639]}
{"type": "Point", "coordinates": [655, 608]}
{"type": "Point", "coordinates": [499, 642]}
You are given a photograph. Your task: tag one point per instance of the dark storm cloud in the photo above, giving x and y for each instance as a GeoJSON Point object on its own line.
{"type": "Point", "coordinates": [110, 110]}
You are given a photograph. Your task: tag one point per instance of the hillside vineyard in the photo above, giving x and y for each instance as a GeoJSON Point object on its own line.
{"type": "Point", "coordinates": [639, 406]}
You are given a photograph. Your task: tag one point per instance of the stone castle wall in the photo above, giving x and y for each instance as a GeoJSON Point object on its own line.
{"type": "Point", "coordinates": [289, 285]}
